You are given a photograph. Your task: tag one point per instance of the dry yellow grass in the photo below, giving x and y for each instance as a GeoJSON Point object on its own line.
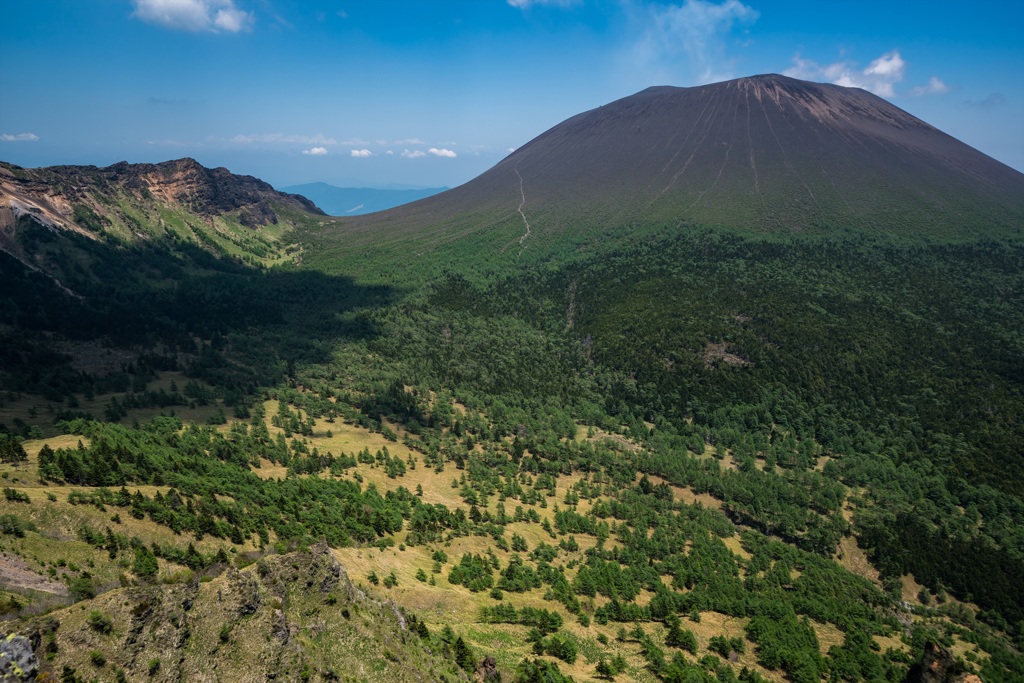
{"type": "Point", "coordinates": [961, 647]}
{"type": "Point", "coordinates": [911, 588]}
{"type": "Point", "coordinates": [734, 545]}
{"type": "Point", "coordinates": [855, 560]}
{"type": "Point", "coordinates": [687, 495]}
{"type": "Point", "coordinates": [828, 636]}
{"type": "Point", "coordinates": [891, 643]}
{"type": "Point", "coordinates": [269, 470]}
{"type": "Point", "coordinates": [33, 446]}
{"type": "Point", "coordinates": [718, 624]}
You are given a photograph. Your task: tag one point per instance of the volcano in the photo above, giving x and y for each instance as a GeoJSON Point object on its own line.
{"type": "Point", "coordinates": [764, 153]}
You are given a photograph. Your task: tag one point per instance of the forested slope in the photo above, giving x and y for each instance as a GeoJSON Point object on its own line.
{"type": "Point", "coordinates": [620, 444]}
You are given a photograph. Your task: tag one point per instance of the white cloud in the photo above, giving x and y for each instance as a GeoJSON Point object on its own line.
{"type": "Point", "coordinates": [389, 152]}
{"type": "Point", "coordinates": [880, 76]}
{"type": "Point", "coordinates": [934, 87]}
{"type": "Point", "coordinates": [694, 31]}
{"type": "Point", "coordinates": [315, 151]}
{"type": "Point", "coordinates": [527, 4]}
{"type": "Point", "coordinates": [215, 16]}
{"type": "Point", "coordinates": [808, 70]}
{"type": "Point", "coordinates": [414, 154]}
{"type": "Point", "coordinates": [409, 141]}
{"type": "Point", "coordinates": [361, 153]}
{"type": "Point", "coordinates": [20, 137]}
{"type": "Point", "coordinates": [232, 20]}
{"type": "Point", "coordinates": [888, 66]}
{"type": "Point", "coordinates": [446, 153]}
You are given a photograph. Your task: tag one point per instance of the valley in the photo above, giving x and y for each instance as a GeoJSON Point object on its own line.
{"type": "Point", "coordinates": [599, 414]}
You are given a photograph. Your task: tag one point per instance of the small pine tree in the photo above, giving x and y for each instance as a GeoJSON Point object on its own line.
{"type": "Point", "coordinates": [145, 564]}
{"type": "Point", "coordinates": [605, 670]}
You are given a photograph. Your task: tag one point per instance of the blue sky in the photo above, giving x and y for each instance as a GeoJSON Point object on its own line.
{"type": "Point", "coordinates": [379, 92]}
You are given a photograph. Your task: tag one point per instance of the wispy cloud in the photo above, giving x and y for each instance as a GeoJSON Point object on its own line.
{"type": "Point", "coordinates": [694, 33]}
{"type": "Point", "coordinates": [413, 154]}
{"type": "Point", "coordinates": [880, 76]}
{"type": "Point", "coordinates": [215, 16]}
{"type": "Point", "coordinates": [19, 137]}
{"type": "Point", "coordinates": [996, 99]}
{"type": "Point", "coordinates": [446, 153]}
{"type": "Point", "coordinates": [281, 138]}
{"type": "Point", "coordinates": [933, 87]}
{"type": "Point", "coordinates": [526, 4]}
{"type": "Point", "coordinates": [315, 151]}
{"type": "Point", "coordinates": [361, 153]}
{"type": "Point", "coordinates": [409, 141]}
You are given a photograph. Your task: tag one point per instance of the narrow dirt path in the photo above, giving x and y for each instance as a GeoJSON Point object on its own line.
{"type": "Point", "coordinates": [522, 203]}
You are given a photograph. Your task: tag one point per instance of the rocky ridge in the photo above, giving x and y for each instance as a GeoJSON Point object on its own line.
{"type": "Point", "coordinates": [287, 617]}
{"type": "Point", "coordinates": [52, 192]}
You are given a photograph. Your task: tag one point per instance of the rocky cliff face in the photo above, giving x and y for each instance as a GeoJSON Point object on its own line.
{"type": "Point", "coordinates": [56, 195]}
{"type": "Point", "coordinates": [205, 191]}
{"type": "Point", "coordinates": [45, 211]}
{"type": "Point", "coordinates": [938, 666]}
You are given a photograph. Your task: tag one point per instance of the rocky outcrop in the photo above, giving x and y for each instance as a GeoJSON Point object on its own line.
{"type": "Point", "coordinates": [17, 659]}
{"type": "Point", "coordinates": [274, 620]}
{"type": "Point", "coordinates": [937, 665]}
{"type": "Point", "coordinates": [205, 191]}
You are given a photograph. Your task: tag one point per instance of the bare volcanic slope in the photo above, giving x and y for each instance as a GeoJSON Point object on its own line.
{"type": "Point", "coordinates": [767, 153]}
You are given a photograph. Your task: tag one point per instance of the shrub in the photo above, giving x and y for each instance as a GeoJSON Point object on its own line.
{"type": "Point", "coordinates": [12, 525]}
{"type": "Point", "coordinates": [100, 622]}
{"type": "Point", "coordinates": [16, 496]}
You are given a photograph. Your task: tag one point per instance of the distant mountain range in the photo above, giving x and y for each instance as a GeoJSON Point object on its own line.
{"type": "Point", "coordinates": [354, 201]}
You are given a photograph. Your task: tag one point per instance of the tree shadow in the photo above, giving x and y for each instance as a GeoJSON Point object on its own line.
{"type": "Point", "coordinates": [171, 298]}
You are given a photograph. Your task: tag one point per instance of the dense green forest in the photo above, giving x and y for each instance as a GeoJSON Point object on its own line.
{"type": "Point", "coordinates": [816, 388]}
